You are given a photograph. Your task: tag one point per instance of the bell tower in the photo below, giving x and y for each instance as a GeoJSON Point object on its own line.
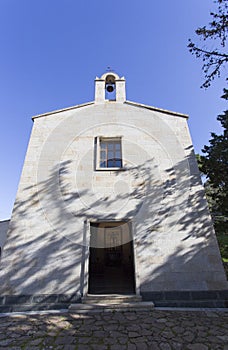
{"type": "Point", "coordinates": [110, 87]}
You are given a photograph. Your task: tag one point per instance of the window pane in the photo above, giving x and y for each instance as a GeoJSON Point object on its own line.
{"type": "Point", "coordinates": [110, 146]}
{"type": "Point", "coordinates": [111, 163]}
{"type": "Point", "coordinates": [103, 164]}
{"type": "Point", "coordinates": [117, 154]}
{"type": "Point", "coordinates": [118, 163]}
{"type": "Point", "coordinates": [110, 155]}
{"type": "Point", "coordinates": [117, 146]}
{"type": "Point", "coordinates": [103, 145]}
{"type": "Point", "coordinates": [103, 155]}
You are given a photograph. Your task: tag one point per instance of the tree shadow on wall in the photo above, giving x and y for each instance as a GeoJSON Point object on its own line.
{"type": "Point", "coordinates": [174, 243]}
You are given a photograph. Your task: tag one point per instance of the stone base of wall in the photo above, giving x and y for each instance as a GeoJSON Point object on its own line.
{"type": "Point", "coordinates": [17, 303]}
{"type": "Point", "coordinates": [198, 299]}
{"type": "Point", "coordinates": [207, 299]}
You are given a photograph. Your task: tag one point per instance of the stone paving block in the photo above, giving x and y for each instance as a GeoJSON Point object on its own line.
{"type": "Point", "coordinates": [202, 295]}
{"type": "Point", "coordinates": [123, 340]}
{"type": "Point", "coordinates": [110, 340]}
{"type": "Point", "coordinates": [69, 347]}
{"type": "Point", "coordinates": [152, 296]}
{"type": "Point", "coordinates": [133, 334]}
{"type": "Point", "coordinates": [223, 294]}
{"type": "Point", "coordinates": [118, 347]}
{"type": "Point", "coordinates": [63, 298]}
{"type": "Point", "coordinates": [101, 347]}
{"type": "Point", "coordinates": [83, 347]}
{"type": "Point", "coordinates": [5, 309]}
{"type": "Point", "coordinates": [177, 346]}
{"type": "Point", "coordinates": [131, 347]}
{"type": "Point", "coordinates": [44, 299]}
{"type": "Point", "coordinates": [176, 295]}
{"type": "Point", "coordinates": [197, 347]}
{"type": "Point", "coordinates": [23, 307]}
{"type": "Point", "coordinates": [17, 299]}
{"type": "Point", "coordinates": [165, 346]}
{"type": "Point", "coordinates": [84, 340]}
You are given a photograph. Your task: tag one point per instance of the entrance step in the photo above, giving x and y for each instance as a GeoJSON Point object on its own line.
{"type": "Point", "coordinates": [108, 299]}
{"type": "Point", "coordinates": [111, 302]}
{"type": "Point", "coordinates": [87, 308]}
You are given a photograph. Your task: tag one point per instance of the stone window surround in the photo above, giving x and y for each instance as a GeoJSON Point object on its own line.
{"type": "Point", "coordinates": [98, 140]}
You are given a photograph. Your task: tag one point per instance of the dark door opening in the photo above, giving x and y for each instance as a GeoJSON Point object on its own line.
{"type": "Point", "coordinates": [111, 260]}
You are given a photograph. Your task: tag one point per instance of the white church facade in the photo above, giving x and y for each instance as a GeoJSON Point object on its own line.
{"type": "Point", "coordinates": [110, 201]}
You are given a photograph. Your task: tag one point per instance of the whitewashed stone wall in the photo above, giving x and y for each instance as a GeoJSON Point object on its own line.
{"type": "Point", "coordinates": [159, 190]}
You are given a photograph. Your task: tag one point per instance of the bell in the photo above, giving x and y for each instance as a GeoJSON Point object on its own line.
{"type": "Point", "coordinates": [109, 87]}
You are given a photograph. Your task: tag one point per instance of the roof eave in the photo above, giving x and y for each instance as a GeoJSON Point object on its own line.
{"type": "Point", "coordinates": [62, 110]}
{"type": "Point", "coordinates": [157, 109]}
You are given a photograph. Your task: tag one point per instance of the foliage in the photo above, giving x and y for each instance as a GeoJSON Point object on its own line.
{"type": "Point", "coordinates": [223, 245]}
{"type": "Point", "coordinates": [214, 164]}
{"type": "Point", "coordinates": [213, 58]}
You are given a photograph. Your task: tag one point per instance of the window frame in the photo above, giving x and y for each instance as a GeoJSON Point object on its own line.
{"type": "Point", "coordinates": [114, 139]}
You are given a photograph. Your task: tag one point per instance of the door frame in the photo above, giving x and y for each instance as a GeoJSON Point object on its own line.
{"type": "Point", "coordinates": [136, 270]}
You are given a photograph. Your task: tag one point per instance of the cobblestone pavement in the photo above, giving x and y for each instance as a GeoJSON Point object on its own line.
{"type": "Point", "coordinates": [156, 330]}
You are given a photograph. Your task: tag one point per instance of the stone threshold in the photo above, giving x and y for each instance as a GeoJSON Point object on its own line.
{"type": "Point", "coordinates": [108, 299]}
{"type": "Point", "coordinates": [111, 302]}
{"type": "Point", "coordinates": [105, 306]}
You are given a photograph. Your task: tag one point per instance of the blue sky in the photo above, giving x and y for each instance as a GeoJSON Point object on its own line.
{"type": "Point", "coordinates": [51, 51]}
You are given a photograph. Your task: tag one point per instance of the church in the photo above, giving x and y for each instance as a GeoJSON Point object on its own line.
{"type": "Point", "coordinates": [110, 202]}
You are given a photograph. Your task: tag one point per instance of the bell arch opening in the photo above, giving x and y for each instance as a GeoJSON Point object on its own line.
{"type": "Point", "coordinates": [110, 87]}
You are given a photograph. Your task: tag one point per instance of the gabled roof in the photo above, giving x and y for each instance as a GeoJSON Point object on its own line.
{"type": "Point", "coordinates": [135, 104]}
